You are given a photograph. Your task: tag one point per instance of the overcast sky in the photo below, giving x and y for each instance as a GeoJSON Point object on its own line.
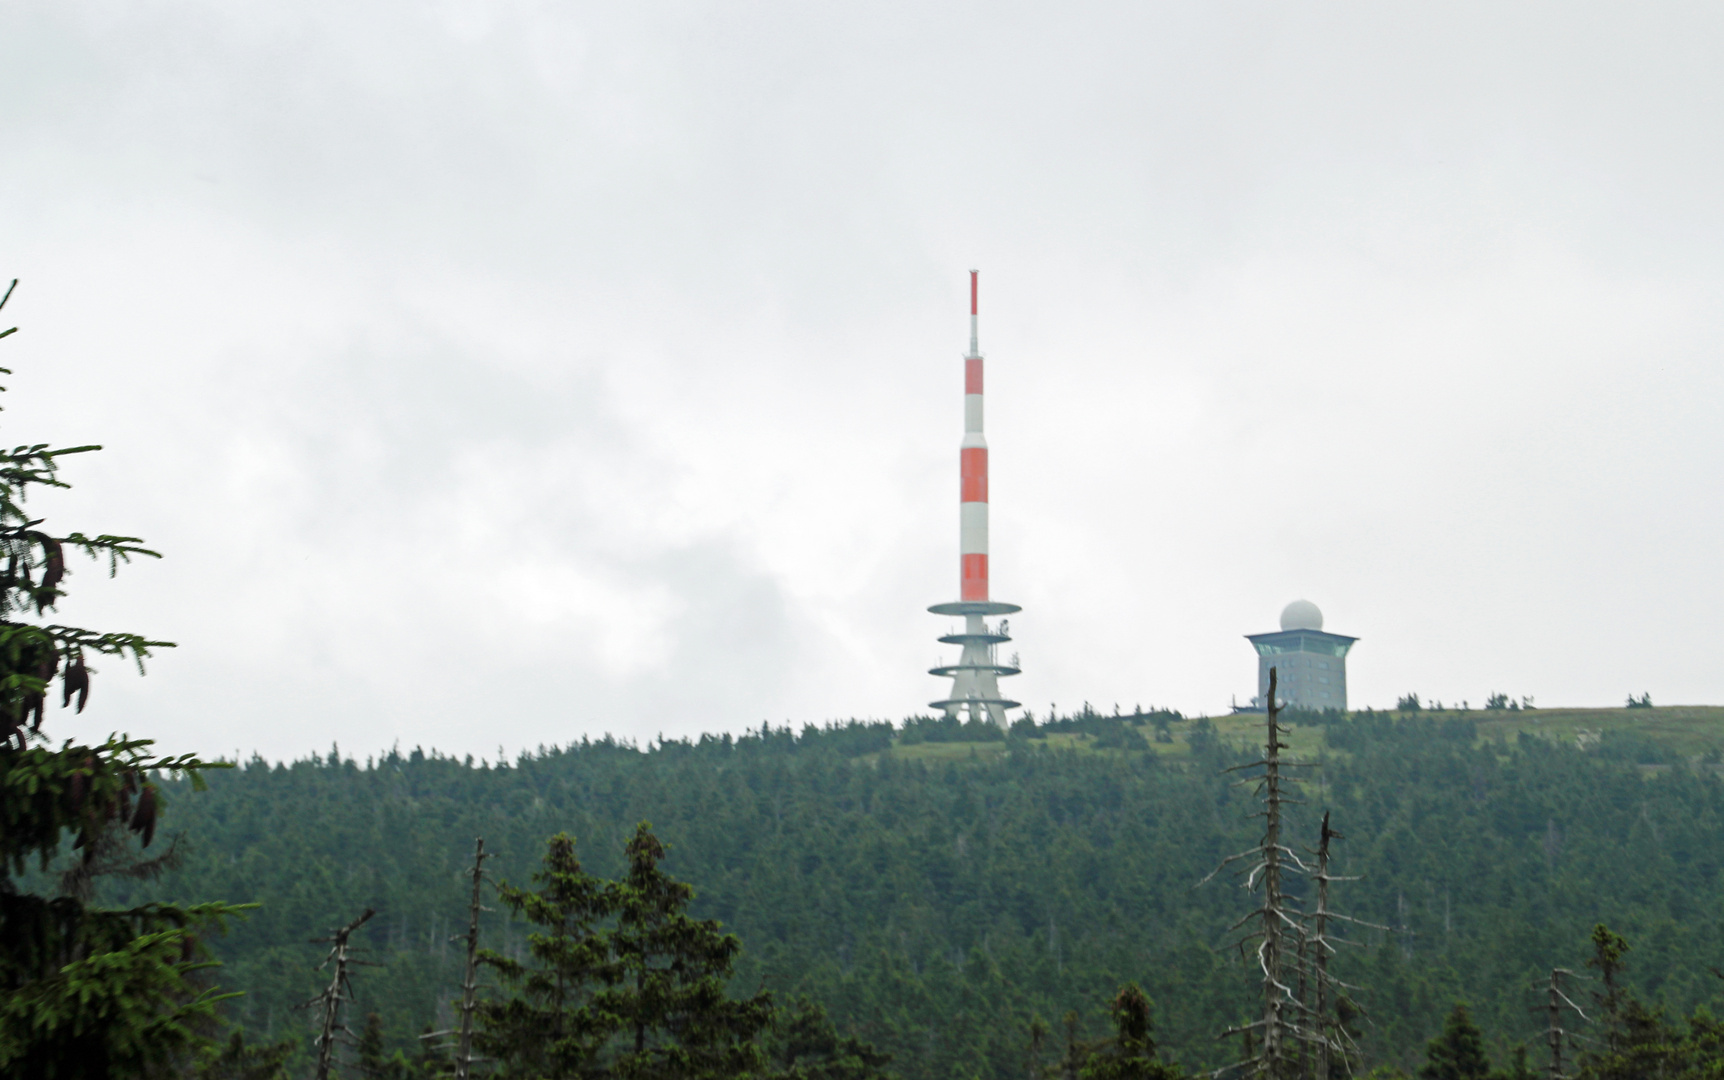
{"type": "Point", "coordinates": [503, 373]}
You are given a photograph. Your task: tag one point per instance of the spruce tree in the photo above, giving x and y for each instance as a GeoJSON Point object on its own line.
{"type": "Point", "coordinates": [1132, 1053]}
{"type": "Point", "coordinates": [375, 1063]}
{"type": "Point", "coordinates": [807, 1046]}
{"type": "Point", "coordinates": [239, 1060]}
{"type": "Point", "coordinates": [1459, 1052]}
{"type": "Point", "coordinates": [84, 991]}
{"type": "Point", "coordinates": [550, 1027]}
{"type": "Point", "coordinates": [1637, 1041]}
{"type": "Point", "coordinates": [666, 981]}
{"type": "Point", "coordinates": [1518, 1067]}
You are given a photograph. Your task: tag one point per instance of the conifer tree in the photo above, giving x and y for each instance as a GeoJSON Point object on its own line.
{"type": "Point", "coordinates": [550, 1027]}
{"type": "Point", "coordinates": [1608, 950]}
{"type": "Point", "coordinates": [1518, 1068]}
{"type": "Point", "coordinates": [84, 991]}
{"type": "Point", "coordinates": [239, 1060]}
{"type": "Point", "coordinates": [807, 1046]}
{"type": "Point", "coordinates": [376, 1064]}
{"type": "Point", "coordinates": [1077, 1051]}
{"type": "Point", "coordinates": [373, 1062]}
{"type": "Point", "coordinates": [1637, 1043]}
{"type": "Point", "coordinates": [624, 982]}
{"type": "Point", "coordinates": [666, 981]}
{"type": "Point", "coordinates": [1038, 1032]}
{"type": "Point", "coordinates": [1132, 1053]}
{"type": "Point", "coordinates": [1459, 1052]}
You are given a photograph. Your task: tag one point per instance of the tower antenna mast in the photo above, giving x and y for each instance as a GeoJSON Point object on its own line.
{"type": "Point", "coordinates": [976, 676]}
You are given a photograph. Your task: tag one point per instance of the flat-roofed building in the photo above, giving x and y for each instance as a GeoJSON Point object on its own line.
{"type": "Point", "coordinates": [1310, 663]}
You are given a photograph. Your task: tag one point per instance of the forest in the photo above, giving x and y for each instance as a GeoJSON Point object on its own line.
{"type": "Point", "coordinates": [939, 908]}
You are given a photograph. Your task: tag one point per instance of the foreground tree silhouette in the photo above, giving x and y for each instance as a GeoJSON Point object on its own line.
{"type": "Point", "coordinates": [549, 1027]}
{"type": "Point", "coordinates": [84, 991]}
{"type": "Point", "coordinates": [808, 1047]}
{"type": "Point", "coordinates": [1459, 1052]}
{"type": "Point", "coordinates": [1637, 1042]}
{"type": "Point", "coordinates": [238, 1060]}
{"type": "Point", "coordinates": [1132, 1053]}
{"type": "Point", "coordinates": [624, 983]}
{"type": "Point", "coordinates": [1272, 1041]}
{"type": "Point", "coordinates": [666, 980]}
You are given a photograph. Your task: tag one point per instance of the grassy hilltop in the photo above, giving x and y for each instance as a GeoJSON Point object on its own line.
{"type": "Point", "coordinates": [1664, 735]}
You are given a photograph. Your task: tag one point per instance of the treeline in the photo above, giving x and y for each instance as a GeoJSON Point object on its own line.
{"type": "Point", "coordinates": [939, 909]}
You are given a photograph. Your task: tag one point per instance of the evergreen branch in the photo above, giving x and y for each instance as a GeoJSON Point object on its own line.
{"type": "Point", "coordinates": [117, 548]}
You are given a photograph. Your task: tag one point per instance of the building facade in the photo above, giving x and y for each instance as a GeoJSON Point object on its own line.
{"type": "Point", "coordinates": [1311, 664]}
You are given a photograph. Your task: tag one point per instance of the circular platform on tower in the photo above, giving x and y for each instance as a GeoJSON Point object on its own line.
{"type": "Point", "coordinates": [1001, 702]}
{"type": "Point", "coordinates": [975, 607]}
{"type": "Point", "coordinates": [952, 669]}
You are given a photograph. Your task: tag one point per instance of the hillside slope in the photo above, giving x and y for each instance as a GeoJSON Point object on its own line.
{"type": "Point", "coordinates": [938, 892]}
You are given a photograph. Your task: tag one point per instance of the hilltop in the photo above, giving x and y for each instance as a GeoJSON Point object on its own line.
{"type": "Point", "coordinates": [939, 885]}
{"type": "Point", "coordinates": [1654, 736]}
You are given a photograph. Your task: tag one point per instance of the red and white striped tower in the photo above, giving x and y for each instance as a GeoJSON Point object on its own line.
{"type": "Point", "coordinates": [976, 675]}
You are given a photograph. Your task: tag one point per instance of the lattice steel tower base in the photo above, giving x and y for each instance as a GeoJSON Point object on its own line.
{"type": "Point", "coordinates": [976, 675]}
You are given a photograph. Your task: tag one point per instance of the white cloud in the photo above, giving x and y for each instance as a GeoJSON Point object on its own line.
{"type": "Point", "coordinates": [508, 372]}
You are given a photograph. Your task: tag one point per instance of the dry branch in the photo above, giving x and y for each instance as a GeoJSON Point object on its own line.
{"type": "Point", "coordinates": [337, 993]}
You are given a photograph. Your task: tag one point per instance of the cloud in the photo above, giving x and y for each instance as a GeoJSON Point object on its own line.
{"type": "Point", "coordinates": [511, 372]}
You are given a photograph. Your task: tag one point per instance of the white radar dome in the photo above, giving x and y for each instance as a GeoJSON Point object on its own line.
{"type": "Point", "coordinates": [1301, 615]}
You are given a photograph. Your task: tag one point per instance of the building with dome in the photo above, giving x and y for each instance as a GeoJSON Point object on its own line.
{"type": "Point", "coordinates": [1310, 663]}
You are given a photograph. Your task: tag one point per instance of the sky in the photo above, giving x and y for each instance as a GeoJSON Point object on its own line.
{"type": "Point", "coordinates": [495, 375]}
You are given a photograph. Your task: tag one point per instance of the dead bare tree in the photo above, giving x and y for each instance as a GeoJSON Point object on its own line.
{"type": "Point", "coordinates": [1328, 994]}
{"type": "Point", "coordinates": [1302, 967]}
{"type": "Point", "coordinates": [470, 984]}
{"type": "Point", "coordinates": [463, 1031]}
{"type": "Point", "coordinates": [1321, 948]}
{"type": "Point", "coordinates": [1276, 919]}
{"type": "Point", "coordinates": [336, 994]}
{"type": "Point", "coordinates": [1303, 1029]}
{"type": "Point", "coordinates": [1556, 1036]}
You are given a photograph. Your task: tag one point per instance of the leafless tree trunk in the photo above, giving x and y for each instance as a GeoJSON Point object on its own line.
{"type": "Point", "coordinates": [1301, 968]}
{"type": "Point", "coordinates": [339, 992]}
{"type": "Point", "coordinates": [1274, 918]}
{"type": "Point", "coordinates": [470, 985]}
{"type": "Point", "coordinates": [1331, 1035]}
{"type": "Point", "coordinates": [1275, 921]}
{"type": "Point", "coordinates": [1554, 1033]}
{"type": "Point", "coordinates": [1320, 950]}
{"type": "Point", "coordinates": [1299, 1029]}
{"type": "Point", "coordinates": [1553, 1027]}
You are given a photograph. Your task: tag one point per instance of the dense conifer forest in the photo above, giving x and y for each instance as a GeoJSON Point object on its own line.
{"type": "Point", "coordinates": [941, 889]}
